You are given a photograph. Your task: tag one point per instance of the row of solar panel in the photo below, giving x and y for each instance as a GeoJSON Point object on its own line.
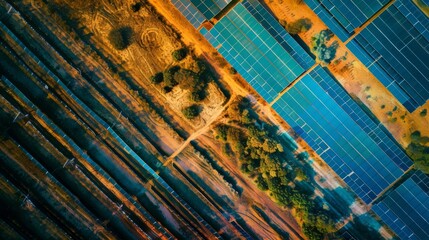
{"type": "Point", "coordinates": [344, 17]}
{"type": "Point", "coordinates": [375, 131]}
{"type": "Point", "coordinates": [112, 132]}
{"type": "Point", "coordinates": [272, 25]}
{"type": "Point", "coordinates": [406, 209]}
{"type": "Point", "coordinates": [85, 156]}
{"type": "Point", "coordinates": [368, 166]}
{"type": "Point", "coordinates": [210, 8]}
{"type": "Point", "coordinates": [196, 11]}
{"type": "Point", "coordinates": [268, 66]}
{"type": "Point", "coordinates": [395, 47]}
{"type": "Point", "coordinates": [195, 17]}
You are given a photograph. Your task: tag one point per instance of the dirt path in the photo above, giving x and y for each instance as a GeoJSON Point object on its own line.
{"type": "Point", "coordinates": [196, 134]}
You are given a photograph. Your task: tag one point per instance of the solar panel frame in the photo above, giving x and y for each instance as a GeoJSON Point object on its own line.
{"type": "Point", "coordinates": [405, 209]}
{"type": "Point", "coordinates": [255, 52]}
{"type": "Point", "coordinates": [343, 17]}
{"type": "Point", "coordinates": [396, 51]}
{"type": "Point", "coordinates": [342, 134]}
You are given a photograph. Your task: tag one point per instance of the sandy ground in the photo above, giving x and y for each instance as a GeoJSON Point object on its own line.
{"type": "Point", "coordinates": [357, 79]}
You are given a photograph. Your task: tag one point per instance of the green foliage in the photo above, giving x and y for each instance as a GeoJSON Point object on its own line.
{"type": "Point", "coordinates": [197, 96]}
{"type": "Point", "coordinates": [136, 7]}
{"type": "Point", "coordinates": [157, 78]}
{"type": "Point", "coordinates": [419, 152]}
{"type": "Point", "coordinates": [423, 112]}
{"type": "Point", "coordinates": [191, 112]}
{"type": "Point", "coordinates": [121, 37]}
{"type": "Point", "coordinates": [319, 47]}
{"type": "Point", "coordinates": [169, 80]}
{"type": "Point", "coordinates": [261, 183]}
{"type": "Point", "coordinates": [299, 26]}
{"type": "Point", "coordinates": [179, 54]}
{"type": "Point", "coordinates": [261, 157]}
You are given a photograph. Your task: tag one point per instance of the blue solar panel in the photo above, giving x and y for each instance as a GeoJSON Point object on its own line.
{"type": "Point", "coordinates": [328, 119]}
{"type": "Point", "coordinates": [210, 8]}
{"type": "Point", "coordinates": [343, 17]}
{"type": "Point", "coordinates": [406, 209]}
{"type": "Point", "coordinates": [197, 11]}
{"type": "Point", "coordinates": [194, 16]}
{"type": "Point", "coordinates": [268, 58]}
{"type": "Point", "coordinates": [395, 48]}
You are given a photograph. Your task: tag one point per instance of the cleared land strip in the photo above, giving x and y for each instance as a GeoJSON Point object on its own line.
{"type": "Point", "coordinates": [369, 21]}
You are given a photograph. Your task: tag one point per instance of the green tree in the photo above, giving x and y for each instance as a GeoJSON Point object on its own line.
{"type": "Point", "coordinates": [299, 26]}
{"type": "Point", "coordinates": [191, 112]}
{"type": "Point", "coordinates": [157, 78]}
{"type": "Point", "coordinates": [121, 37]}
{"type": "Point", "coordinates": [179, 54]}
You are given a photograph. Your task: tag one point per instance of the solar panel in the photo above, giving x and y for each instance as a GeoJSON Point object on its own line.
{"type": "Point", "coordinates": [343, 17]}
{"type": "Point", "coordinates": [194, 16]}
{"type": "Point", "coordinates": [268, 59]}
{"type": "Point", "coordinates": [406, 209]}
{"type": "Point", "coordinates": [197, 11]}
{"type": "Point", "coordinates": [350, 142]}
{"type": "Point", "coordinates": [395, 48]}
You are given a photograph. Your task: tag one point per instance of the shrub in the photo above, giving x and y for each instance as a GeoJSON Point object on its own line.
{"type": "Point", "coordinates": [319, 47]}
{"type": "Point", "coordinates": [299, 26]}
{"type": "Point", "coordinates": [197, 96]}
{"type": "Point", "coordinates": [191, 112]}
{"type": "Point", "coordinates": [179, 54]}
{"type": "Point", "coordinates": [423, 113]}
{"type": "Point", "coordinates": [136, 7]}
{"type": "Point", "coordinates": [157, 78]}
{"type": "Point", "coordinates": [169, 76]}
{"type": "Point", "coordinates": [121, 37]}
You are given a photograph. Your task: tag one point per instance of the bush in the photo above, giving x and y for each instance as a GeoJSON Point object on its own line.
{"type": "Point", "coordinates": [121, 37]}
{"type": "Point", "coordinates": [179, 54]}
{"type": "Point", "coordinates": [191, 112]}
{"type": "Point", "coordinates": [423, 113]}
{"type": "Point", "coordinates": [157, 78]}
{"type": "Point", "coordinates": [197, 96]}
{"type": "Point", "coordinates": [169, 76]}
{"type": "Point", "coordinates": [136, 7]}
{"type": "Point", "coordinates": [299, 26]}
{"type": "Point", "coordinates": [324, 53]}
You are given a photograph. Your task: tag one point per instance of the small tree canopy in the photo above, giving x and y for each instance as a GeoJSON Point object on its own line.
{"type": "Point", "coordinates": [121, 37]}
{"type": "Point", "coordinates": [179, 54]}
{"type": "Point", "coordinates": [157, 78]}
{"type": "Point", "coordinates": [191, 112]}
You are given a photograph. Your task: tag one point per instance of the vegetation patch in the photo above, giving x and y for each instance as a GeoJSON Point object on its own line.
{"type": "Point", "coordinates": [121, 37]}
{"type": "Point", "coordinates": [299, 26]}
{"type": "Point", "coordinates": [319, 46]}
{"type": "Point", "coordinates": [179, 54]}
{"type": "Point", "coordinates": [419, 152]}
{"type": "Point", "coordinates": [263, 158]}
{"type": "Point", "coordinates": [191, 112]}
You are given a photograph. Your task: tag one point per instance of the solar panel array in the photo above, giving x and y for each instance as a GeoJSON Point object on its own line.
{"type": "Point", "coordinates": [328, 119]}
{"type": "Point", "coordinates": [268, 59]}
{"type": "Point", "coordinates": [197, 11]}
{"type": "Point", "coordinates": [343, 17]}
{"type": "Point", "coordinates": [195, 17]}
{"type": "Point", "coordinates": [395, 48]}
{"type": "Point", "coordinates": [406, 209]}
{"type": "Point", "coordinates": [210, 8]}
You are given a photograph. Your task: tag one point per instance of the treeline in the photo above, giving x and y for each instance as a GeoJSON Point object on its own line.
{"type": "Point", "coordinates": [263, 158]}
